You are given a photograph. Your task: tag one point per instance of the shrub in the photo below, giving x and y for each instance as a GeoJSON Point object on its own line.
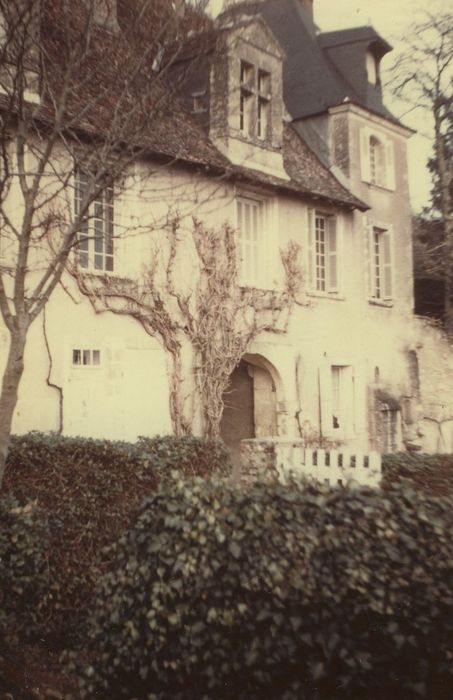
{"type": "Point", "coordinates": [188, 455]}
{"type": "Point", "coordinates": [278, 592]}
{"type": "Point", "coordinates": [432, 474]}
{"type": "Point", "coordinates": [90, 492]}
{"type": "Point", "coordinates": [23, 569]}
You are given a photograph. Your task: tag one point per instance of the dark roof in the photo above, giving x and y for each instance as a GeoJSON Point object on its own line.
{"type": "Point", "coordinates": [313, 79]}
{"type": "Point", "coordinates": [308, 177]}
{"type": "Point", "coordinates": [160, 126]}
{"type": "Point", "coordinates": [352, 36]}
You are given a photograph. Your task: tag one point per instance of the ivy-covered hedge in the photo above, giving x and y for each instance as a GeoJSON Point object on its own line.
{"type": "Point", "coordinates": [89, 492]}
{"type": "Point", "coordinates": [282, 592]}
{"type": "Point", "coordinates": [432, 474]}
{"type": "Point", "coordinates": [23, 570]}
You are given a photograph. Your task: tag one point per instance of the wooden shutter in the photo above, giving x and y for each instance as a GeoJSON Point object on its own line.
{"type": "Point", "coordinates": [311, 247]}
{"type": "Point", "coordinates": [249, 220]}
{"type": "Point", "coordinates": [365, 154]}
{"type": "Point", "coordinates": [368, 247]}
{"type": "Point", "coordinates": [325, 398]}
{"type": "Point", "coordinates": [347, 429]}
{"type": "Point", "coordinates": [332, 257]}
{"type": "Point", "coordinates": [389, 164]}
{"type": "Point", "coordinates": [387, 272]}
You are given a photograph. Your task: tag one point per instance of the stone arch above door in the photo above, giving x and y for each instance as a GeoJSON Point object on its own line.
{"type": "Point", "coordinates": [250, 402]}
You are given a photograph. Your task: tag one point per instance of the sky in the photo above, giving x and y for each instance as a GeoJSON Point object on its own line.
{"type": "Point", "coordinates": [392, 19]}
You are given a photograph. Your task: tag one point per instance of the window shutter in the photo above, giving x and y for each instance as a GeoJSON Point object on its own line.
{"type": "Point", "coordinates": [347, 401]}
{"type": "Point", "coordinates": [387, 265]}
{"type": "Point", "coordinates": [310, 247]}
{"type": "Point", "coordinates": [365, 154]}
{"type": "Point", "coordinates": [368, 246]}
{"type": "Point", "coordinates": [251, 245]}
{"type": "Point", "coordinates": [332, 258]}
{"type": "Point", "coordinates": [325, 398]}
{"type": "Point", "coordinates": [239, 251]}
{"type": "Point", "coordinates": [389, 165]}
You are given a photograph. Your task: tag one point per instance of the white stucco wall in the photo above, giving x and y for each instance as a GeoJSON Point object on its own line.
{"type": "Point", "coordinates": [127, 394]}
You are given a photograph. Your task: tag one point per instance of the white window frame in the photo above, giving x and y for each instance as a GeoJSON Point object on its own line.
{"type": "Point", "coordinates": [254, 101]}
{"type": "Point", "coordinates": [338, 399]}
{"type": "Point", "coordinates": [254, 246]}
{"type": "Point", "coordinates": [96, 245]}
{"type": "Point", "coordinates": [324, 252]}
{"type": "Point", "coordinates": [380, 263]}
{"type": "Point", "coordinates": [198, 102]}
{"type": "Point", "coordinates": [87, 358]}
{"type": "Point", "coordinates": [383, 173]}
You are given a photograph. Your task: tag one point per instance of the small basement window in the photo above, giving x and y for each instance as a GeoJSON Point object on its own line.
{"type": "Point", "coordinates": [86, 358]}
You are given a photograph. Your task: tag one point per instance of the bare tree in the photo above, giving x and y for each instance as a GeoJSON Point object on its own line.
{"type": "Point", "coordinates": [207, 310]}
{"type": "Point", "coordinates": [423, 77]}
{"type": "Point", "coordinates": [83, 92]}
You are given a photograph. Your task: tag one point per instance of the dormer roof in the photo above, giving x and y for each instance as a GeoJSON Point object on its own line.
{"type": "Point", "coordinates": [367, 35]}
{"type": "Point", "coordinates": [315, 76]}
{"type": "Point", "coordinates": [243, 22]}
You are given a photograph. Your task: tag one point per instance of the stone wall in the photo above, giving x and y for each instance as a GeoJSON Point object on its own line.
{"type": "Point", "coordinates": [435, 363]}
{"type": "Point", "coordinates": [257, 460]}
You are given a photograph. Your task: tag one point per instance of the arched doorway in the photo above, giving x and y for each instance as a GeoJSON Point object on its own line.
{"type": "Point", "coordinates": [250, 403]}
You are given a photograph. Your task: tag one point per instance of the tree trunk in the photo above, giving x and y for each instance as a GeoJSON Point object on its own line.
{"type": "Point", "coordinates": [8, 397]}
{"type": "Point", "coordinates": [444, 172]}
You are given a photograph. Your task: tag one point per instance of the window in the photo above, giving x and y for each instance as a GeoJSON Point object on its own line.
{"type": "Point", "coordinates": [254, 101]}
{"type": "Point", "coordinates": [377, 159]}
{"type": "Point", "coordinates": [251, 243]}
{"type": "Point", "coordinates": [86, 358]}
{"type": "Point", "coordinates": [342, 403]}
{"type": "Point", "coordinates": [198, 102]}
{"type": "Point", "coordinates": [95, 246]}
{"type": "Point", "coordinates": [337, 400]}
{"type": "Point", "coordinates": [377, 162]}
{"type": "Point", "coordinates": [381, 286]}
{"type": "Point", "coordinates": [372, 68]}
{"type": "Point", "coordinates": [263, 107]}
{"type": "Point", "coordinates": [323, 252]}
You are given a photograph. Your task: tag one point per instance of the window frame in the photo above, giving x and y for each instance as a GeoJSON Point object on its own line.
{"type": "Point", "coordinates": [95, 243]}
{"type": "Point", "coordinates": [91, 365]}
{"type": "Point", "coordinates": [324, 279]}
{"type": "Point", "coordinates": [255, 98]}
{"type": "Point", "coordinates": [381, 263]}
{"type": "Point", "coordinates": [266, 270]}
{"type": "Point", "coordinates": [376, 145]}
{"type": "Point", "coordinates": [344, 409]}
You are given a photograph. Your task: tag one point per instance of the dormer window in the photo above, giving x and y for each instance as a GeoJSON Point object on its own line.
{"type": "Point", "coordinates": [246, 98]}
{"type": "Point", "coordinates": [255, 101]}
{"type": "Point", "coordinates": [198, 102]}
{"type": "Point", "coordinates": [247, 73]}
{"type": "Point", "coordinates": [372, 68]}
{"type": "Point", "coordinates": [264, 99]}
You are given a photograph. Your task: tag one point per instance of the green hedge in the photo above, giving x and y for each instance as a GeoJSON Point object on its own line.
{"type": "Point", "coordinates": [89, 492]}
{"type": "Point", "coordinates": [295, 593]}
{"type": "Point", "coordinates": [24, 576]}
{"type": "Point", "coordinates": [432, 474]}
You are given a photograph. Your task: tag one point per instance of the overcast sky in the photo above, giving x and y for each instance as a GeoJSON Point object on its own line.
{"type": "Point", "coordinates": [392, 19]}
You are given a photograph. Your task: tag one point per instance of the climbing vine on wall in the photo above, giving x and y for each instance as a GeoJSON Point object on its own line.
{"type": "Point", "coordinates": [204, 307]}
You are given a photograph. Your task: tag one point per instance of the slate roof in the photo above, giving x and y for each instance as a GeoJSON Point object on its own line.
{"type": "Point", "coordinates": [166, 130]}
{"type": "Point", "coordinates": [352, 35]}
{"type": "Point", "coordinates": [312, 81]}
{"type": "Point", "coordinates": [308, 176]}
